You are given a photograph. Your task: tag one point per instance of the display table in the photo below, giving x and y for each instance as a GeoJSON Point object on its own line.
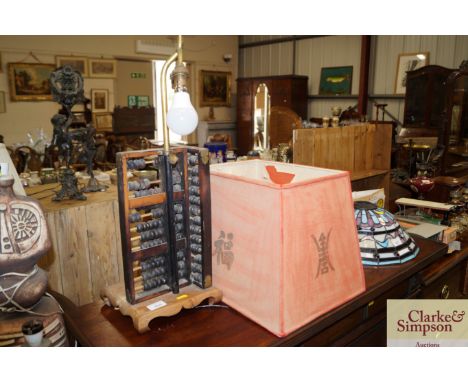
{"type": "Point", "coordinates": [86, 253]}
{"type": "Point", "coordinates": [359, 322]}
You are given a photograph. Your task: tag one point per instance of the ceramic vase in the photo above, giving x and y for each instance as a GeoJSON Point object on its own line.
{"type": "Point", "coordinates": [24, 239]}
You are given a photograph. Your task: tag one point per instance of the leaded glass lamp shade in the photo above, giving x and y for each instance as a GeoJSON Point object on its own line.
{"type": "Point", "coordinates": [381, 239]}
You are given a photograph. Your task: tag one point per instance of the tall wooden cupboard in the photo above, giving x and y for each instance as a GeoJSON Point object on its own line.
{"type": "Point", "coordinates": [289, 90]}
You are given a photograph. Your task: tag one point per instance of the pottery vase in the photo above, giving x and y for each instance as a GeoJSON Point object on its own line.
{"type": "Point", "coordinates": [24, 239]}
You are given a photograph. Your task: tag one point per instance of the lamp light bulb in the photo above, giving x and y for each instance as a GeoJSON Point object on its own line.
{"type": "Point", "coordinates": [182, 118]}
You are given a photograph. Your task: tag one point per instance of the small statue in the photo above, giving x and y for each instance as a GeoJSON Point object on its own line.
{"type": "Point", "coordinates": [60, 137]}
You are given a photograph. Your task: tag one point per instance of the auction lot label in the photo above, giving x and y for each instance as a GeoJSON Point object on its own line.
{"type": "Point", "coordinates": [427, 323]}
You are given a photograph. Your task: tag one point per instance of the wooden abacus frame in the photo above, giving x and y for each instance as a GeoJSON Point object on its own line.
{"type": "Point", "coordinates": [132, 254]}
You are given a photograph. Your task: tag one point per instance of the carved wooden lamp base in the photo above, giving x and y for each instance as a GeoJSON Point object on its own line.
{"type": "Point", "coordinates": [161, 306]}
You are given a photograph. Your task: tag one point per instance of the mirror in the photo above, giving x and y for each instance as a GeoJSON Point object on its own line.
{"type": "Point", "coordinates": [261, 115]}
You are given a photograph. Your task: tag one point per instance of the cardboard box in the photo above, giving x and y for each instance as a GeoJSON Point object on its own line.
{"type": "Point", "coordinates": [450, 234]}
{"type": "Point", "coordinates": [284, 254]}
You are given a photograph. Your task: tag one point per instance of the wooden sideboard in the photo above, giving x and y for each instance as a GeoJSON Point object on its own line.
{"type": "Point", "coordinates": [358, 322]}
{"type": "Point", "coordinates": [86, 254]}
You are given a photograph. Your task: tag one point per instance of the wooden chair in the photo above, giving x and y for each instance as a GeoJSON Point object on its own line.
{"type": "Point", "coordinates": [28, 159]}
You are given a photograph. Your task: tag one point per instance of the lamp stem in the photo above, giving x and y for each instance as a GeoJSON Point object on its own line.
{"type": "Point", "coordinates": [166, 65]}
{"type": "Point", "coordinates": [179, 50]}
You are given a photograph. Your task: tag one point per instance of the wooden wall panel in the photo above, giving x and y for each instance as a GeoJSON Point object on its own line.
{"type": "Point", "coordinates": [74, 255]}
{"type": "Point", "coordinates": [354, 148]}
{"type": "Point", "coordinates": [382, 156]}
{"type": "Point", "coordinates": [50, 262]}
{"type": "Point", "coordinates": [104, 264]}
{"type": "Point", "coordinates": [86, 251]}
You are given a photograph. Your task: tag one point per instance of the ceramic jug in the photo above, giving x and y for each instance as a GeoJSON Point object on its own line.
{"type": "Point", "coordinates": [24, 239]}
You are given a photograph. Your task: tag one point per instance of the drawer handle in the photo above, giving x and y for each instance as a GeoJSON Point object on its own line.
{"type": "Point", "coordinates": [445, 292]}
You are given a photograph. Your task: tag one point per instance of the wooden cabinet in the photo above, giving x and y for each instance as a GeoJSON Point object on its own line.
{"type": "Point", "coordinates": [130, 124]}
{"type": "Point", "coordinates": [455, 123]}
{"type": "Point", "coordinates": [290, 91]}
{"type": "Point", "coordinates": [425, 97]}
{"type": "Point", "coordinates": [446, 280]}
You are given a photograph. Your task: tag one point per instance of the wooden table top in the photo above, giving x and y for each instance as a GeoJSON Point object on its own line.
{"type": "Point", "coordinates": [45, 192]}
{"type": "Point", "coordinates": [99, 325]}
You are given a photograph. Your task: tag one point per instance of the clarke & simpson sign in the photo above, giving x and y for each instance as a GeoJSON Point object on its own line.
{"type": "Point", "coordinates": [427, 323]}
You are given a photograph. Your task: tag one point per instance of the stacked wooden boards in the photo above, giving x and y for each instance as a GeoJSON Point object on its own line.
{"type": "Point", "coordinates": [362, 149]}
{"type": "Point", "coordinates": [86, 251]}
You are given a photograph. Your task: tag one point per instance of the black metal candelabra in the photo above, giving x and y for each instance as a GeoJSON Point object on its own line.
{"type": "Point", "coordinates": [67, 89]}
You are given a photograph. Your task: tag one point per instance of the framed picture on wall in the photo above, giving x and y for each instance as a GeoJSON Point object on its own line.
{"type": "Point", "coordinates": [30, 82]}
{"type": "Point", "coordinates": [336, 80]}
{"type": "Point", "coordinates": [103, 121]}
{"type": "Point", "coordinates": [2, 102]}
{"type": "Point", "coordinates": [99, 68]}
{"type": "Point", "coordinates": [406, 63]}
{"type": "Point", "coordinates": [80, 64]}
{"type": "Point", "coordinates": [99, 100]}
{"type": "Point", "coordinates": [215, 88]}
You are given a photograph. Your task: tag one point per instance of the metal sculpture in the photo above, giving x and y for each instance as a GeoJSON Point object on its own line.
{"type": "Point", "coordinates": [67, 89]}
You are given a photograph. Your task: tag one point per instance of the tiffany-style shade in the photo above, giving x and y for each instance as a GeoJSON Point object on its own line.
{"type": "Point", "coordinates": [381, 239]}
